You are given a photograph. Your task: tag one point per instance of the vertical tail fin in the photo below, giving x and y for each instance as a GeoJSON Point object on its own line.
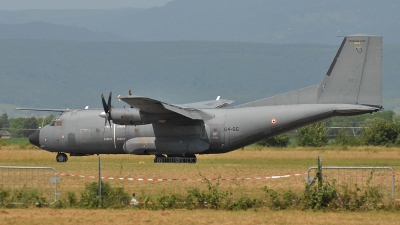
{"type": "Point", "coordinates": [355, 75]}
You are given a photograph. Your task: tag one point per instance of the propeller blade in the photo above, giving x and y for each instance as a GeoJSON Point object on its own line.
{"type": "Point", "coordinates": [107, 108]}
{"type": "Point", "coordinates": [109, 101]}
{"type": "Point", "coordinates": [104, 103]}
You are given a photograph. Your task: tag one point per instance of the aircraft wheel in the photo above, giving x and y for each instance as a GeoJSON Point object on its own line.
{"type": "Point", "coordinates": [159, 159]}
{"type": "Point", "coordinates": [61, 157]}
{"type": "Point", "coordinates": [190, 159]}
{"type": "Point", "coordinates": [173, 159]}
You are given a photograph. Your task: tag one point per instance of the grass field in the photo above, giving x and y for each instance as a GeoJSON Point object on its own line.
{"type": "Point", "coordinates": [15, 141]}
{"type": "Point", "coordinates": [248, 163]}
{"type": "Point", "coordinates": [184, 217]}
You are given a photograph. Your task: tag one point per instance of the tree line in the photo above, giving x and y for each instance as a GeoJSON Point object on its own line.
{"type": "Point", "coordinates": [377, 129]}
{"type": "Point", "coordinates": [23, 127]}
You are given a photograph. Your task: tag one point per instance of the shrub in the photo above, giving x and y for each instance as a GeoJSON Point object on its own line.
{"type": "Point", "coordinates": [171, 201]}
{"type": "Point", "coordinates": [344, 138]}
{"type": "Point", "coordinates": [277, 141]}
{"type": "Point", "coordinates": [110, 197]}
{"type": "Point", "coordinates": [382, 132]}
{"type": "Point", "coordinates": [21, 198]}
{"type": "Point", "coordinates": [314, 135]}
{"type": "Point", "coordinates": [210, 198]}
{"type": "Point", "coordinates": [317, 198]}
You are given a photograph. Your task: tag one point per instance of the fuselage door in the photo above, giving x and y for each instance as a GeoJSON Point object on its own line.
{"type": "Point", "coordinates": [85, 138]}
{"type": "Point", "coordinates": [216, 136]}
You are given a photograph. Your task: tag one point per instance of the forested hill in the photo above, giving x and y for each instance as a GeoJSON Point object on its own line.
{"type": "Point", "coordinates": [63, 74]}
{"type": "Point", "coordinates": [261, 21]}
{"type": "Point", "coordinates": [47, 31]}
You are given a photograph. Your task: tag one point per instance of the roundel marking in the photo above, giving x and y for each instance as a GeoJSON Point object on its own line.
{"type": "Point", "coordinates": [274, 121]}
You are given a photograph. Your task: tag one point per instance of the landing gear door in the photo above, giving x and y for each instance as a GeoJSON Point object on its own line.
{"type": "Point", "coordinates": [217, 136]}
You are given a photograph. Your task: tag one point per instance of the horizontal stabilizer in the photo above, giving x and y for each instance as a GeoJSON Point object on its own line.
{"type": "Point", "coordinates": [359, 109]}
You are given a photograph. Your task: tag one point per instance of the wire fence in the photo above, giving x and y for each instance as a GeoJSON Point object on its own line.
{"type": "Point", "coordinates": [29, 183]}
{"type": "Point", "coordinates": [359, 178]}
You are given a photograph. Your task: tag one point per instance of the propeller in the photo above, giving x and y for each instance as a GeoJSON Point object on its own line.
{"type": "Point", "coordinates": [107, 108]}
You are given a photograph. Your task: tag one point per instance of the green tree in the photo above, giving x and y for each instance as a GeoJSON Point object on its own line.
{"type": "Point", "coordinates": [364, 120]}
{"type": "Point", "coordinates": [30, 126]}
{"type": "Point", "coordinates": [16, 126]}
{"type": "Point", "coordinates": [396, 118]}
{"type": "Point", "coordinates": [43, 121]}
{"type": "Point", "coordinates": [23, 127]}
{"type": "Point", "coordinates": [4, 121]}
{"type": "Point", "coordinates": [382, 132]}
{"type": "Point", "coordinates": [385, 114]}
{"type": "Point", "coordinates": [277, 141]}
{"type": "Point", "coordinates": [344, 138]}
{"type": "Point", "coordinates": [314, 135]}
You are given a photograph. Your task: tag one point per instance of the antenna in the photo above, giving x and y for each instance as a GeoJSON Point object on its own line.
{"type": "Point", "coordinates": [44, 116]}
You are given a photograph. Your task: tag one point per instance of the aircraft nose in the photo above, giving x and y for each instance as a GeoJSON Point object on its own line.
{"type": "Point", "coordinates": [34, 138]}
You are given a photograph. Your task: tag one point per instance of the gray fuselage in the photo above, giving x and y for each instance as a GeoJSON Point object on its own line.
{"type": "Point", "coordinates": [83, 131]}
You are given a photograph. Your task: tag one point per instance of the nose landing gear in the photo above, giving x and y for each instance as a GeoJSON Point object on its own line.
{"type": "Point", "coordinates": [61, 157]}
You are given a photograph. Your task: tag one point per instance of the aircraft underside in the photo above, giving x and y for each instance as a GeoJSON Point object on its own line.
{"type": "Point", "coordinates": [62, 157]}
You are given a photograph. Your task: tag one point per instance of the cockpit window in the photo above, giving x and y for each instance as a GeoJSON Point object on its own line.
{"type": "Point", "coordinates": [56, 122]}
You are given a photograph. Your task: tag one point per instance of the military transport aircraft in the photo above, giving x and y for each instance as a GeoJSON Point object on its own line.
{"type": "Point", "coordinates": [177, 132]}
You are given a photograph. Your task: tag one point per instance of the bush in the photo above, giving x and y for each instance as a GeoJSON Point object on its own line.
{"type": "Point", "coordinates": [382, 132]}
{"type": "Point", "coordinates": [317, 198]}
{"type": "Point", "coordinates": [314, 135]}
{"type": "Point", "coordinates": [110, 197]}
{"type": "Point", "coordinates": [344, 138]}
{"type": "Point", "coordinates": [21, 198]}
{"type": "Point", "coordinates": [171, 201]}
{"type": "Point", "coordinates": [210, 198]}
{"type": "Point", "coordinates": [215, 199]}
{"type": "Point", "coordinates": [277, 141]}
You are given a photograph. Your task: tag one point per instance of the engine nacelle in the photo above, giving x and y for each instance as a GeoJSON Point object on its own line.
{"type": "Point", "coordinates": [127, 116]}
{"type": "Point", "coordinates": [132, 116]}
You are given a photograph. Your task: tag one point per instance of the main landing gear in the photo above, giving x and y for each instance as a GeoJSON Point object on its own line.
{"type": "Point", "coordinates": [61, 157]}
{"type": "Point", "coordinates": [175, 159]}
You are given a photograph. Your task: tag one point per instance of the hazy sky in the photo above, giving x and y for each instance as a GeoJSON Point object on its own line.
{"type": "Point", "coordinates": [78, 4]}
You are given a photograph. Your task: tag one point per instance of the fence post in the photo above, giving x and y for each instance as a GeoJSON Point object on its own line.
{"type": "Point", "coordinates": [319, 172]}
{"type": "Point", "coordinates": [99, 191]}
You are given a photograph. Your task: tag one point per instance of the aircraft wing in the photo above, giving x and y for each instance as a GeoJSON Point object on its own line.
{"type": "Point", "coordinates": [221, 103]}
{"type": "Point", "coordinates": [190, 110]}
